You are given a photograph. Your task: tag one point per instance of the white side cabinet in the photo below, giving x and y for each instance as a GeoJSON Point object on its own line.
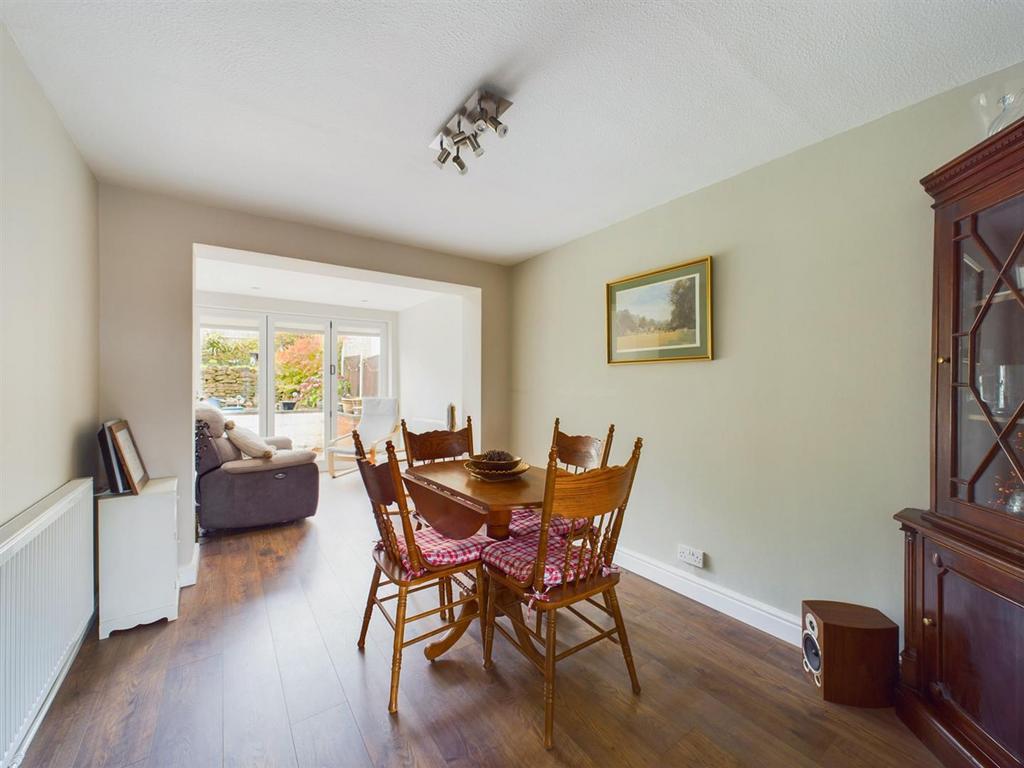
{"type": "Point", "coordinates": [138, 556]}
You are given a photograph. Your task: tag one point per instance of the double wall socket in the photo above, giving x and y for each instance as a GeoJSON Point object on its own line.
{"type": "Point", "coordinates": [691, 556]}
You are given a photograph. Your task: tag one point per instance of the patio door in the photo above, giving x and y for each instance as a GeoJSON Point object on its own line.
{"type": "Point", "coordinates": [299, 370]}
{"type": "Point", "coordinates": [359, 368]}
{"type": "Point", "coordinates": [229, 371]}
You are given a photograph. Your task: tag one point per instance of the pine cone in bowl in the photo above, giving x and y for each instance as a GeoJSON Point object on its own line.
{"type": "Point", "coordinates": [495, 461]}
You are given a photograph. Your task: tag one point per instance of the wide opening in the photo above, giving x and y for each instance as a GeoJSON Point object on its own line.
{"type": "Point", "coordinates": [291, 348]}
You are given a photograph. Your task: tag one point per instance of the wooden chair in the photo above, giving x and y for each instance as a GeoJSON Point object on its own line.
{"type": "Point", "coordinates": [439, 445]}
{"type": "Point", "coordinates": [580, 453]}
{"type": "Point", "coordinates": [576, 453]}
{"type": "Point", "coordinates": [550, 573]}
{"type": "Point", "coordinates": [413, 561]}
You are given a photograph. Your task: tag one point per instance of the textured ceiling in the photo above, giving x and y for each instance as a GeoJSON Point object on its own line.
{"type": "Point", "coordinates": [321, 112]}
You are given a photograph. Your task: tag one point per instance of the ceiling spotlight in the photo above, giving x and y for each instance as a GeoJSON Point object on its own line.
{"type": "Point", "coordinates": [465, 130]}
{"type": "Point", "coordinates": [499, 127]}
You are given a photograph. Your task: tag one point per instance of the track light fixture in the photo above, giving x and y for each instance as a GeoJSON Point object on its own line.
{"type": "Point", "coordinates": [480, 114]}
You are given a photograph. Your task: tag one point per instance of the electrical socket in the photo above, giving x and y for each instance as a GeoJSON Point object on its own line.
{"type": "Point", "coordinates": [691, 556]}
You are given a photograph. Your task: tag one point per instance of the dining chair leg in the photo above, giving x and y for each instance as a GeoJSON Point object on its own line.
{"type": "Point", "coordinates": [481, 599]}
{"type": "Point", "coordinates": [396, 656]}
{"type": "Point", "coordinates": [492, 599]}
{"type": "Point", "coordinates": [612, 602]}
{"type": "Point", "coordinates": [449, 597]}
{"type": "Point", "coordinates": [549, 682]}
{"type": "Point", "coordinates": [374, 586]}
{"type": "Point", "coordinates": [442, 597]}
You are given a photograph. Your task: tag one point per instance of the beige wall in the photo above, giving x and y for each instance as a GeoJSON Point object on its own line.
{"type": "Point", "coordinates": [786, 457]}
{"type": "Point", "coordinates": [48, 296]}
{"type": "Point", "coordinates": [146, 318]}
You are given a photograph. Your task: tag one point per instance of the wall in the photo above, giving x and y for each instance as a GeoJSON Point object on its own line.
{"type": "Point", "coordinates": [786, 457]}
{"type": "Point", "coordinates": [430, 361]}
{"type": "Point", "coordinates": [146, 279]}
{"type": "Point", "coordinates": [48, 296]}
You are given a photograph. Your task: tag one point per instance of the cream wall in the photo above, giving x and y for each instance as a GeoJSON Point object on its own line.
{"type": "Point", "coordinates": [786, 457]}
{"type": "Point", "coordinates": [48, 296]}
{"type": "Point", "coordinates": [146, 317]}
{"type": "Point", "coordinates": [430, 354]}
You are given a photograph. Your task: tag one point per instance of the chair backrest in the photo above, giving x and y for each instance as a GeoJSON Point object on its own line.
{"type": "Point", "coordinates": [579, 453]}
{"type": "Point", "coordinates": [379, 418]}
{"type": "Point", "coordinates": [384, 486]}
{"type": "Point", "coordinates": [599, 495]}
{"type": "Point", "coordinates": [439, 445]}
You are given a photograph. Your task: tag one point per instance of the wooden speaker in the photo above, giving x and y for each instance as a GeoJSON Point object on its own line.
{"type": "Point", "coordinates": [850, 653]}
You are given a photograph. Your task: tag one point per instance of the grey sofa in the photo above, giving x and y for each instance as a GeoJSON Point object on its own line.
{"type": "Point", "coordinates": [237, 492]}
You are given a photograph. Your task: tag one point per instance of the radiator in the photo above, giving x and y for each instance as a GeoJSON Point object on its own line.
{"type": "Point", "coordinates": [46, 607]}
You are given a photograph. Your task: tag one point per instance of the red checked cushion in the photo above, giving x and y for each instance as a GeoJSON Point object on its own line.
{"type": "Point", "coordinates": [439, 551]}
{"type": "Point", "coordinates": [526, 522]}
{"type": "Point", "coordinates": [516, 557]}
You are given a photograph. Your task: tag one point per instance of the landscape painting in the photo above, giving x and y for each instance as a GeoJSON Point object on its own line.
{"type": "Point", "coordinates": [661, 315]}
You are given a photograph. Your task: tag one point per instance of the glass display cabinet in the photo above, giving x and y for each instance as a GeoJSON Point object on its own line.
{"type": "Point", "coordinates": [962, 667]}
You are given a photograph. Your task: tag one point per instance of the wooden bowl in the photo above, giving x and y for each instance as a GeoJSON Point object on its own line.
{"type": "Point", "coordinates": [478, 462]}
{"type": "Point", "coordinates": [496, 475]}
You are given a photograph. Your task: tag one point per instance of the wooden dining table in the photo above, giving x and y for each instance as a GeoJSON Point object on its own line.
{"type": "Point", "coordinates": [459, 505]}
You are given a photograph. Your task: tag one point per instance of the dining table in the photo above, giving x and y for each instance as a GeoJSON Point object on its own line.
{"type": "Point", "coordinates": [459, 505]}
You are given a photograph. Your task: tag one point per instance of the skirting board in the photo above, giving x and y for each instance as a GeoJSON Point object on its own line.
{"type": "Point", "coordinates": [188, 574]}
{"type": "Point", "coordinates": [65, 667]}
{"type": "Point", "coordinates": [767, 618]}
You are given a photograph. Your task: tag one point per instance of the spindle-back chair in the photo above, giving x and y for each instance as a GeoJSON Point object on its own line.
{"type": "Point", "coordinates": [414, 560]}
{"type": "Point", "coordinates": [549, 573]}
{"type": "Point", "coordinates": [438, 445]}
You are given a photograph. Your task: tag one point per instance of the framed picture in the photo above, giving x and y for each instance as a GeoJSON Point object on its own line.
{"type": "Point", "coordinates": [661, 315]}
{"type": "Point", "coordinates": [131, 461]}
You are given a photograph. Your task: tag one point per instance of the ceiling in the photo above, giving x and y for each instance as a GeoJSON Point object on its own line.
{"type": "Point", "coordinates": [322, 112]}
{"type": "Point", "coordinates": [221, 276]}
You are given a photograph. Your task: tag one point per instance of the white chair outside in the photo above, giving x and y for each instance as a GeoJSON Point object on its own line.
{"type": "Point", "coordinates": [377, 423]}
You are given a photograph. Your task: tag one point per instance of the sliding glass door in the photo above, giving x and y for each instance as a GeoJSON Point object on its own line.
{"type": "Point", "coordinates": [295, 376]}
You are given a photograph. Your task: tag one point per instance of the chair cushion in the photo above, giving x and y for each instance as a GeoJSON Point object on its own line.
{"type": "Point", "coordinates": [280, 460]}
{"type": "Point", "coordinates": [526, 522]}
{"type": "Point", "coordinates": [440, 552]}
{"type": "Point", "coordinates": [213, 416]}
{"type": "Point", "coordinates": [516, 557]}
{"type": "Point", "coordinates": [226, 450]}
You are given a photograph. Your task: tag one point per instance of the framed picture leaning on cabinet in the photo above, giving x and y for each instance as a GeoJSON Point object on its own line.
{"type": "Point", "coordinates": [661, 315]}
{"type": "Point", "coordinates": [134, 470]}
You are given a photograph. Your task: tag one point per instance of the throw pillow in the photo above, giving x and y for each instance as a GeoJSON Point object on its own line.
{"type": "Point", "coordinates": [249, 443]}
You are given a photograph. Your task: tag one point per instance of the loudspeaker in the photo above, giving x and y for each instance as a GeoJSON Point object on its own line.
{"type": "Point", "coordinates": [850, 653]}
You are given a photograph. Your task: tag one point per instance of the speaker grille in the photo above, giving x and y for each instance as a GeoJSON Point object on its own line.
{"type": "Point", "coordinates": [812, 653]}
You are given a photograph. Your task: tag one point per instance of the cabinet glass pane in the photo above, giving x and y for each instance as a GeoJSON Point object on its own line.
{"type": "Point", "coordinates": [990, 361]}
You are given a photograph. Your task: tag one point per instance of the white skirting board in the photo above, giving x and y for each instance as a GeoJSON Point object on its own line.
{"type": "Point", "coordinates": [188, 574]}
{"type": "Point", "coordinates": [767, 618]}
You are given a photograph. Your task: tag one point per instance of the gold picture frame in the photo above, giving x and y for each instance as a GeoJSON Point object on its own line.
{"type": "Point", "coordinates": [662, 315]}
{"type": "Point", "coordinates": [131, 462]}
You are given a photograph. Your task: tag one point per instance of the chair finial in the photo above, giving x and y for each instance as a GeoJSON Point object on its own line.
{"type": "Point", "coordinates": [360, 451]}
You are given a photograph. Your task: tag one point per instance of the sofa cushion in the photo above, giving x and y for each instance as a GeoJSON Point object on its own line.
{"type": "Point", "coordinates": [250, 443]}
{"type": "Point", "coordinates": [280, 460]}
{"type": "Point", "coordinates": [214, 417]}
{"type": "Point", "coordinates": [226, 450]}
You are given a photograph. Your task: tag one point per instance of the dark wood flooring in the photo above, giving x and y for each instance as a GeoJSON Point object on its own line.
{"type": "Point", "coordinates": [261, 669]}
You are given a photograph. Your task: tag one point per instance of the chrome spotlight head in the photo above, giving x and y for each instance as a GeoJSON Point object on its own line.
{"type": "Point", "coordinates": [475, 145]}
{"type": "Point", "coordinates": [442, 157]}
{"type": "Point", "coordinates": [459, 138]}
{"type": "Point", "coordinates": [459, 163]}
{"type": "Point", "coordinates": [497, 126]}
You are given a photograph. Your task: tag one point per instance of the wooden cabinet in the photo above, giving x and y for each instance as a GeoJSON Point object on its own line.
{"type": "Point", "coordinates": [138, 556]}
{"type": "Point", "coordinates": [962, 667]}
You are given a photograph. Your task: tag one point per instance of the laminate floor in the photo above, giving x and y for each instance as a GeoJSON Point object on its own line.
{"type": "Point", "coordinates": [262, 669]}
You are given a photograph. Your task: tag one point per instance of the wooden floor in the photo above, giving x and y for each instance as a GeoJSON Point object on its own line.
{"type": "Point", "coordinates": [262, 669]}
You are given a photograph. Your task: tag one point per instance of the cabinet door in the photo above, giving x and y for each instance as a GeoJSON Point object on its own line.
{"type": "Point", "coordinates": [974, 650]}
{"type": "Point", "coordinates": [980, 373]}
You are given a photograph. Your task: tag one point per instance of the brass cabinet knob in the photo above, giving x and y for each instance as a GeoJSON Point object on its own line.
{"type": "Point", "coordinates": [940, 360]}
{"type": "Point", "coordinates": [927, 621]}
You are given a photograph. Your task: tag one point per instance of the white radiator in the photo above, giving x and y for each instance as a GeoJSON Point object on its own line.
{"type": "Point", "coordinates": [46, 606]}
